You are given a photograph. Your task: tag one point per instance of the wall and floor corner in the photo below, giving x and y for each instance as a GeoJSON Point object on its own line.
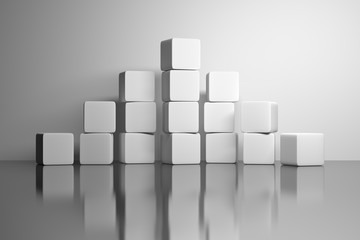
{"type": "Point", "coordinates": [304, 55]}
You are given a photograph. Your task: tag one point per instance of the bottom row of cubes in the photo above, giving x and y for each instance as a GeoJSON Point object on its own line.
{"type": "Point", "coordinates": [180, 148]}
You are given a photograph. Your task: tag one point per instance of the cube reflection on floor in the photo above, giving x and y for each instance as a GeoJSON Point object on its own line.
{"type": "Point", "coordinates": [54, 148]}
{"type": "Point", "coordinates": [96, 148]}
{"type": "Point", "coordinates": [181, 148]}
{"type": "Point", "coordinates": [302, 149]}
{"type": "Point", "coordinates": [137, 148]}
{"type": "Point", "coordinates": [221, 147]}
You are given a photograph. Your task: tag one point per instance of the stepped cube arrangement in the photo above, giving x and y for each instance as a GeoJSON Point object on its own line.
{"type": "Point", "coordinates": [97, 143]}
{"type": "Point", "coordinates": [259, 121]}
{"type": "Point", "coordinates": [138, 112]}
{"type": "Point", "coordinates": [180, 61]}
{"type": "Point", "coordinates": [219, 116]}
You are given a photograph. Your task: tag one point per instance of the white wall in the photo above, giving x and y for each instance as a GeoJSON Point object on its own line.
{"type": "Point", "coordinates": [54, 55]}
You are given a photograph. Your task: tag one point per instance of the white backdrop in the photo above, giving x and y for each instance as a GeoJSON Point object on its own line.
{"type": "Point", "coordinates": [54, 55]}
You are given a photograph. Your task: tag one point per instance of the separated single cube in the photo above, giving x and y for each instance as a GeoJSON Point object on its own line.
{"type": "Point", "coordinates": [219, 117]}
{"type": "Point", "coordinates": [222, 86]}
{"type": "Point", "coordinates": [180, 53]}
{"type": "Point", "coordinates": [138, 86]}
{"type": "Point", "coordinates": [180, 85]}
{"type": "Point", "coordinates": [138, 117]}
{"type": "Point", "coordinates": [54, 148]}
{"type": "Point", "coordinates": [99, 116]}
{"type": "Point", "coordinates": [259, 148]}
{"type": "Point", "coordinates": [96, 148]}
{"type": "Point", "coordinates": [259, 117]}
{"type": "Point", "coordinates": [137, 148]}
{"type": "Point", "coordinates": [221, 147]}
{"type": "Point", "coordinates": [181, 148]}
{"type": "Point", "coordinates": [181, 117]}
{"type": "Point", "coordinates": [302, 149]}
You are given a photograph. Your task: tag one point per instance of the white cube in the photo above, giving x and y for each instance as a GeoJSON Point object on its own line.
{"type": "Point", "coordinates": [259, 148]}
{"type": "Point", "coordinates": [138, 117]}
{"type": "Point", "coordinates": [99, 116]}
{"type": "Point", "coordinates": [54, 148]}
{"type": "Point", "coordinates": [181, 148]}
{"type": "Point", "coordinates": [180, 53]}
{"type": "Point", "coordinates": [259, 117]}
{"type": "Point", "coordinates": [181, 117]}
{"type": "Point", "coordinates": [137, 148]}
{"type": "Point", "coordinates": [219, 117]}
{"type": "Point", "coordinates": [222, 87]}
{"type": "Point", "coordinates": [180, 85]}
{"type": "Point", "coordinates": [138, 86]}
{"type": "Point", "coordinates": [96, 148]}
{"type": "Point", "coordinates": [302, 149]}
{"type": "Point", "coordinates": [221, 147]}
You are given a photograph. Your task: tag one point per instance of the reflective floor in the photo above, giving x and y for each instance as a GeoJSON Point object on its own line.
{"type": "Point", "coordinates": [210, 201]}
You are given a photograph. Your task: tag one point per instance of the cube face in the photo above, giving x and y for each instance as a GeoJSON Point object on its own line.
{"type": "Point", "coordinates": [183, 86]}
{"type": "Point", "coordinates": [140, 117]}
{"type": "Point", "coordinates": [222, 86]}
{"type": "Point", "coordinates": [219, 117]}
{"type": "Point", "coordinates": [181, 117]}
{"type": "Point", "coordinates": [180, 53]}
{"type": "Point", "coordinates": [99, 116]}
{"type": "Point", "coordinates": [55, 148]}
{"type": "Point", "coordinates": [138, 86]}
{"type": "Point", "coordinates": [259, 148]}
{"type": "Point", "coordinates": [137, 148]}
{"type": "Point", "coordinates": [259, 117]}
{"type": "Point", "coordinates": [302, 149]}
{"type": "Point", "coordinates": [221, 147]}
{"type": "Point", "coordinates": [96, 148]}
{"type": "Point", "coordinates": [181, 148]}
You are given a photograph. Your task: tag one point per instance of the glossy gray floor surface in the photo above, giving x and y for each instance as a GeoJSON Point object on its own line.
{"type": "Point", "coordinates": [208, 201]}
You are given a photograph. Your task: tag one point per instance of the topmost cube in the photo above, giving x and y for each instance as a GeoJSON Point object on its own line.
{"type": "Point", "coordinates": [180, 54]}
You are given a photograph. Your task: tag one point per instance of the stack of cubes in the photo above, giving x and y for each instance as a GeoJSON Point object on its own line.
{"type": "Point", "coordinates": [259, 122]}
{"type": "Point", "coordinates": [137, 117]}
{"type": "Point", "coordinates": [222, 89]}
{"type": "Point", "coordinates": [97, 143]}
{"type": "Point", "coordinates": [180, 63]}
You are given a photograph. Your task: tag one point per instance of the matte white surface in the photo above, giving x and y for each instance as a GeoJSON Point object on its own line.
{"type": "Point", "coordinates": [302, 149]}
{"type": "Point", "coordinates": [58, 148]}
{"type": "Point", "coordinates": [140, 117]}
{"type": "Point", "coordinates": [181, 117]}
{"type": "Point", "coordinates": [181, 148]}
{"type": "Point", "coordinates": [219, 117]}
{"type": "Point", "coordinates": [222, 87]}
{"type": "Point", "coordinates": [181, 86]}
{"type": "Point", "coordinates": [259, 117]}
{"type": "Point", "coordinates": [137, 86]}
{"type": "Point", "coordinates": [221, 147]}
{"type": "Point", "coordinates": [96, 148]}
{"type": "Point", "coordinates": [137, 148]}
{"type": "Point", "coordinates": [259, 148]}
{"type": "Point", "coordinates": [180, 53]}
{"type": "Point", "coordinates": [99, 116]}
